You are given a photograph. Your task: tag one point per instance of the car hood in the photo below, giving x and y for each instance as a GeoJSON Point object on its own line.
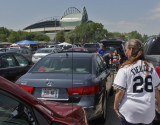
{"type": "Point", "coordinates": [59, 80]}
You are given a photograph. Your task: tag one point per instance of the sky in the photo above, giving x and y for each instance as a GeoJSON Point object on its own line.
{"type": "Point", "coordinates": [116, 15]}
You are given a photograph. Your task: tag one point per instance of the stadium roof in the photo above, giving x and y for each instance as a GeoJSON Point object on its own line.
{"type": "Point", "coordinates": [71, 17]}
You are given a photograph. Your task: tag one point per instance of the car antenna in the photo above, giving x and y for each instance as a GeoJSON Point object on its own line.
{"type": "Point", "coordinates": [67, 54]}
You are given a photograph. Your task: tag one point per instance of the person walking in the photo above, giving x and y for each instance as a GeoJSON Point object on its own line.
{"type": "Point", "coordinates": [136, 85]}
{"type": "Point", "coordinates": [116, 59]}
{"type": "Point", "coordinates": [101, 50]}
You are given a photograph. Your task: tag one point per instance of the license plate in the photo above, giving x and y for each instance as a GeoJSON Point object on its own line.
{"type": "Point", "coordinates": [50, 92]}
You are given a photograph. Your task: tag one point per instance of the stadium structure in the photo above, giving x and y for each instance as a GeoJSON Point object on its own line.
{"type": "Point", "coordinates": [71, 18]}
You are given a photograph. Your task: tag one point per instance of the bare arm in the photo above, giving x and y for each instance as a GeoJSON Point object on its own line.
{"type": "Point", "coordinates": [157, 94]}
{"type": "Point", "coordinates": [117, 101]}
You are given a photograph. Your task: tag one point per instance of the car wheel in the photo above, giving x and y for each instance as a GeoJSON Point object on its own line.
{"type": "Point", "coordinates": [102, 118]}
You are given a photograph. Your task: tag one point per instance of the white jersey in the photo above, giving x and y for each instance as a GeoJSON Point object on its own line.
{"type": "Point", "coordinates": [138, 103]}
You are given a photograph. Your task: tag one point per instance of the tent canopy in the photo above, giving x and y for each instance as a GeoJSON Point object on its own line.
{"type": "Point", "coordinates": [26, 42]}
{"type": "Point", "coordinates": [64, 43]}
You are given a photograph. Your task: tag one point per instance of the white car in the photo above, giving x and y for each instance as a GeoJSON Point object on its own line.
{"type": "Point", "coordinates": [41, 53]}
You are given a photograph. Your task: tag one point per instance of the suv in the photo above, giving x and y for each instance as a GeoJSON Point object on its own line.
{"type": "Point", "coordinates": [91, 47]}
{"type": "Point", "coordinates": [110, 45]}
{"type": "Point", "coordinates": [152, 54]}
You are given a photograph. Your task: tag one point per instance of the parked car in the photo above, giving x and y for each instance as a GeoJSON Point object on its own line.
{"type": "Point", "coordinates": [41, 53]}
{"type": "Point", "coordinates": [3, 49]}
{"type": "Point", "coordinates": [13, 65]}
{"type": "Point", "coordinates": [91, 47]}
{"type": "Point", "coordinates": [22, 50]}
{"type": "Point", "coordinates": [56, 47]}
{"type": "Point", "coordinates": [72, 78]}
{"type": "Point", "coordinates": [152, 54]}
{"type": "Point", "coordinates": [21, 108]}
{"type": "Point", "coordinates": [77, 49]}
{"type": "Point", "coordinates": [110, 45]}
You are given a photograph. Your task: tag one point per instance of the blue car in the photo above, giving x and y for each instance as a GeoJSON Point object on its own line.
{"type": "Point", "coordinates": [72, 78]}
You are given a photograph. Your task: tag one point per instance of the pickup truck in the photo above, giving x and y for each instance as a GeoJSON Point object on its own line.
{"type": "Point", "coordinates": [152, 54]}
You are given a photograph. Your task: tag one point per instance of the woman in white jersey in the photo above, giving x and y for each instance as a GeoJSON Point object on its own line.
{"type": "Point", "coordinates": [136, 85]}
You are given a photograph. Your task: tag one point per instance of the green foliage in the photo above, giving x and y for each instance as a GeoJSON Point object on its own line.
{"type": "Point", "coordinates": [15, 36]}
{"type": "Point", "coordinates": [60, 36]}
{"type": "Point", "coordinates": [85, 33]}
{"type": "Point", "coordinates": [134, 35]}
{"type": "Point", "coordinates": [4, 33]}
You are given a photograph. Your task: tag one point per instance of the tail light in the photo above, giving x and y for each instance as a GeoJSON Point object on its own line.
{"type": "Point", "coordinates": [26, 88]}
{"type": "Point", "coordinates": [158, 70]}
{"type": "Point", "coordinates": [89, 90]}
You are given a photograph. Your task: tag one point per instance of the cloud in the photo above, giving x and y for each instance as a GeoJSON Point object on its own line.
{"type": "Point", "coordinates": [129, 25]}
{"type": "Point", "coordinates": [156, 10]}
{"type": "Point", "coordinates": [154, 13]}
{"type": "Point", "coordinates": [122, 26]}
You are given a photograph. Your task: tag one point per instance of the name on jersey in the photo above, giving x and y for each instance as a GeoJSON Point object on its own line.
{"type": "Point", "coordinates": [139, 69]}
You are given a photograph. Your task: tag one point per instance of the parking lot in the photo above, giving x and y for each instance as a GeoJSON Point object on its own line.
{"type": "Point", "coordinates": [111, 119]}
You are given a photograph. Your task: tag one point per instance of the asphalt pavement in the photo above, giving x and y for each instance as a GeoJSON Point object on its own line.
{"type": "Point", "coordinates": [111, 118]}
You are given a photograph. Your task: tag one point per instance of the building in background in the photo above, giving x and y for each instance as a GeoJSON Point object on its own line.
{"type": "Point", "coordinates": [71, 18]}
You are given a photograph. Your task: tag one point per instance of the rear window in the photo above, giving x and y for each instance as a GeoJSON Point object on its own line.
{"type": "Point", "coordinates": [63, 65]}
{"type": "Point", "coordinates": [44, 51]}
{"type": "Point", "coordinates": [152, 47]}
{"type": "Point", "coordinates": [91, 46]}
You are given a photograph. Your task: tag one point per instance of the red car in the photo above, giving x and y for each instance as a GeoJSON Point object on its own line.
{"type": "Point", "coordinates": [19, 107]}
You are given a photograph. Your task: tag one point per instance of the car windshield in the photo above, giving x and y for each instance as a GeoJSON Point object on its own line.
{"type": "Point", "coordinates": [44, 51]}
{"type": "Point", "coordinates": [63, 65]}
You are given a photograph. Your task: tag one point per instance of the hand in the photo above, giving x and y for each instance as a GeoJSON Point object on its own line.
{"type": "Point", "coordinates": [118, 114]}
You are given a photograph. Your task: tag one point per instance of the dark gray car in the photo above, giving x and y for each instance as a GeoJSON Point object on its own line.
{"type": "Point", "coordinates": [22, 50]}
{"type": "Point", "coordinates": [72, 78]}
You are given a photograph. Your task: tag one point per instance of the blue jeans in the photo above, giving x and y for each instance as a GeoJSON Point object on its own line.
{"type": "Point", "coordinates": [124, 122]}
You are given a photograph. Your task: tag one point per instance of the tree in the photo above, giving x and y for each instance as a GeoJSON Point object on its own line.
{"type": "Point", "coordinates": [134, 35]}
{"type": "Point", "coordinates": [60, 36]}
{"type": "Point", "coordinates": [4, 33]}
{"type": "Point", "coordinates": [85, 33]}
{"type": "Point", "coordinates": [145, 38]}
{"type": "Point", "coordinates": [13, 37]}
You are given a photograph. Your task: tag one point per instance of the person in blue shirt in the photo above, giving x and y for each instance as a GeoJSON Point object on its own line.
{"type": "Point", "coordinates": [101, 50]}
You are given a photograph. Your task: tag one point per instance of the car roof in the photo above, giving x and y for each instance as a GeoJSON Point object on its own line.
{"type": "Point", "coordinates": [13, 53]}
{"type": "Point", "coordinates": [71, 54]}
{"type": "Point", "coordinates": [46, 48]}
{"type": "Point", "coordinates": [2, 53]}
{"type": "Point", "coordinates": [112, 41]}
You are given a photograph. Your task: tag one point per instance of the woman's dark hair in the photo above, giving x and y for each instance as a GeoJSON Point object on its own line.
{"type": "Point", "coordinates": [137, 52]}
